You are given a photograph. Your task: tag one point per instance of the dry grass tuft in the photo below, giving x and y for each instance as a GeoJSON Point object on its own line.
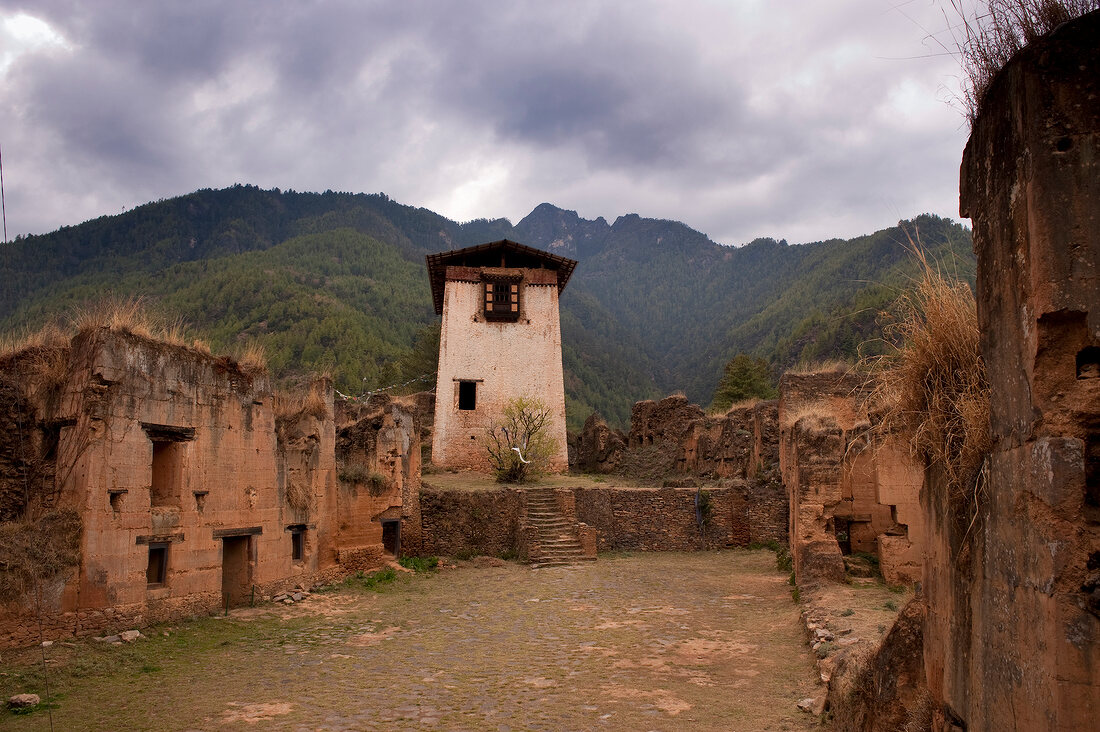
{"type": "Point", "coordinates": [134, 316]}
{"type": "Point", "coordinates": [50, 336]}
{"type": "Point", "coordinates": [816, 413]}
{"type": "Point", "coordinates": [44, 349]}
{"type": "Point", "coordinates": [298, 496]}
{"type": "Point", "coordinates": [128, 315]}
{"type": "Point", "coordinates": [253, 359]}
{"type": "Point", "coordinates": [991, 38]}
{"type": "Point", "coordinates": [932, 383]}
{"type": "Point", "coordinates": [831, 366]}
{"type": "Point", "coordinates": [743, 404]}
{"type": "Point", "coordinates": [34, 551]}
{"type": "Point", "coordinates": [313, 403]}
{"type": "Point", "coordinates": [43, 353]}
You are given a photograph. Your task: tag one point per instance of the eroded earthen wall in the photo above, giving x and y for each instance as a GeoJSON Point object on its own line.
{"type": "Point", "coordinates": [851, 489]}
{"type": "Point", "coordinates": [378, 456]}
{"type": "Point", "coordinates": [1013, 635]}
{"type": "Point", "coordinates": [186, 496]}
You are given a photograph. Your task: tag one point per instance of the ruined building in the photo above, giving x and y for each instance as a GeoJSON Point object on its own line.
{"type": "Point", "coordinates": [501, 340]}
{"type": "Point", "coordinates": [1012, 640]}
{"type": "Point", "coordinates": [181, 484]}
{"type": "Point", "coordinates": [851, 489]}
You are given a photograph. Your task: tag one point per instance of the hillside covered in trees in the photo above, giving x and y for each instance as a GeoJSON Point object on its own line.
{"type": "Point", "coordinates": [337, 282]}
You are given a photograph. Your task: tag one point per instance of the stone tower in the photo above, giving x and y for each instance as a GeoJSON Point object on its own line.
{"type": "Point", "coordinates": [501, 339]}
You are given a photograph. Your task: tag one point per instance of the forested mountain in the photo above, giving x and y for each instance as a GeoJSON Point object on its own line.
{"type": "Point", "coordinates": [337, 281]}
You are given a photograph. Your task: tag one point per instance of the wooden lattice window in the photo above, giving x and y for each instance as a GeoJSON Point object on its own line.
{"type": "Point", "coordinates": [502, 299]}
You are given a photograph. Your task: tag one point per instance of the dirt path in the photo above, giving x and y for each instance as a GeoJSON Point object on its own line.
{"type": "Point", "coordinates": [702, 641]}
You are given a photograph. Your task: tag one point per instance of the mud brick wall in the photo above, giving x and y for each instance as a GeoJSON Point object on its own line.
{"type": "Point", "coordinates": [846, 479]}
{"type": "Point", "coordinates": [1013, 632]}
{"type": "Point", "coordinates": [381, 437]}
{"type": "Point", "coordinates": [165, 450]}
{"type": "Point", "coordinates": [455, 522]}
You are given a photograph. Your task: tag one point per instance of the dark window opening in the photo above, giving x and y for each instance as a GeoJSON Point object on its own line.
{"type": "Point", "coordinates": [391, 536]}
{"type": "Point", "coordinates": [167, 481]}
{"type": "Point", "coordinates": [157, 571]}
{"type": "Point", "coordinates": [297, 544]}
{"type": "Point", "coordinates": [467, 395]}
{"type": "Point", "coordinates": [51, 439]}
{"type": "Point", "coordinates": [1088, 363]}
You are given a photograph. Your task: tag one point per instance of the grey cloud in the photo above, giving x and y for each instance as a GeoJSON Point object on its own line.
{"type": "Point", "coordinates": [671, 107]}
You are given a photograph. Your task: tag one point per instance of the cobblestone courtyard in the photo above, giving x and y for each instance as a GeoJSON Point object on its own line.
{"type": "Point", "coordinates": [705, 641]}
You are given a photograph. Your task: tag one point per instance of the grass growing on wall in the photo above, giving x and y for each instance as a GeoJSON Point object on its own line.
{"type": "Point", "coordinates": [932, 382]}
{"type": "Point", "coordinates": [991, 36]}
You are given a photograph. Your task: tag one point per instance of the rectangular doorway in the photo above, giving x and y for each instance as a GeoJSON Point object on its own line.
{"type": "Point", "coordinates": [391, 537]}
{"type": "Point", "coordinates": [236, 570]}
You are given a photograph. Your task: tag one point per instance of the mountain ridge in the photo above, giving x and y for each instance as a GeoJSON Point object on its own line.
{"type": "Point", "coordinates": [654, 305]}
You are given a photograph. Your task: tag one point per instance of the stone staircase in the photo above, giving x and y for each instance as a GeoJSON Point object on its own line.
{"type": "Point", "coordinates": [554, 537]}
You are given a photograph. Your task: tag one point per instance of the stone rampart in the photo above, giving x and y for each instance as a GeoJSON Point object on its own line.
{"type": "Point", "coordinates": [1013, 633]}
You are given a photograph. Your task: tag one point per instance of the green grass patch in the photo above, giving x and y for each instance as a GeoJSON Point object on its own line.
{"type": "Point", "coordinates": [420, 565]}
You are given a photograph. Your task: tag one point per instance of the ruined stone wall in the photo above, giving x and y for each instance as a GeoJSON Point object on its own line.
{"type": "Point", "coordinates": [457, 522]}
{"type": "Point", "coordinates": [167, 451]}
{"type": "Point", "coordinates": [673, 437]}
{"type": "Point", "coordinates": [662, 519]}
{"type": "Point", "coordinates": [851, 489]}
{"type": "Point", "coordinates": [378, 453]}
{"type": "Point", "coordinates": [1013, 633]}
{"type": "Point", "coordinates": [505, 359]}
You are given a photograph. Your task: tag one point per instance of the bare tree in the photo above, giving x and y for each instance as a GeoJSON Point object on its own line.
{"type": "Point", "coordinates": [518, 444]}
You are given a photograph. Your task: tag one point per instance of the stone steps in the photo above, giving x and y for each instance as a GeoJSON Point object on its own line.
{"type": "Point", "coordinates": [558, 542]}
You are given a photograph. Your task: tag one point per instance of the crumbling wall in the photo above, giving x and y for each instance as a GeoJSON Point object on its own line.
{"type": "Point", "coordinates": [1013, 634]}
{"type": "Point", "coordinates": [812, 456]}
{"type": "Point", "coordinates": [378, 451]}
{"type": "Point", "coordinates": [672, 438]}
{"type": "Point", "coordinates": [851, 489]}
{"type": "Point", "coordinates": [168, 455]}
{"type": "Point", "coordinates": [29, 429]}
{"type": "Point", "coordinates": [598, 448]}
{"type": "Point", "coordinates": [305, 477]}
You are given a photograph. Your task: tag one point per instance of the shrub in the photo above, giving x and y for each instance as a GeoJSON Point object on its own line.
{"type": "Point", "coordinates": [376, 580]}
{"type": "Point", "coordinates": [519, 444]}
{"type": "Point", "coordinates": [354, 473]}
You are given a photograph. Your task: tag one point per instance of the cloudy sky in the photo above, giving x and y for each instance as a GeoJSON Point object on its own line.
{"type": "Point", "coordinates": [797, 119]}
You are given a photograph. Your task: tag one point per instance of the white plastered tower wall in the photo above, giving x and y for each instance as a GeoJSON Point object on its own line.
{"type": "Point", "coordinates": [504, 360]}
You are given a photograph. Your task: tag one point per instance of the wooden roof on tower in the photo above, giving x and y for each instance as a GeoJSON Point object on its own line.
{"type": "Point", "coordinates": [503, 253]}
